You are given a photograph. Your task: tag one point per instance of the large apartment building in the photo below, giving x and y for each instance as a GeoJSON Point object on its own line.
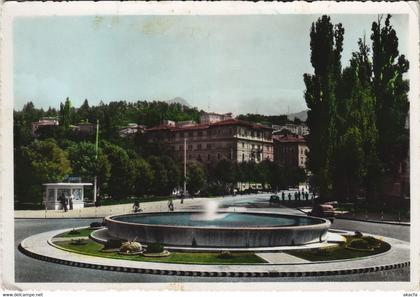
{"type": "Point", "coordinates": [211, 140]}
{"type": "Point", "coordinates": [290, 150]}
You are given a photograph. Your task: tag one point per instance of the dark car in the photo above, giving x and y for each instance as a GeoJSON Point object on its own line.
{"type": "Point", "coordinates": [323, 211]}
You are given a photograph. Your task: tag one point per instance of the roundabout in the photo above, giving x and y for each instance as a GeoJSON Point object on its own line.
{"type": "Point", "coordinates": [46, 246]}
{"type": "Point", "coordinates": [40, 240]}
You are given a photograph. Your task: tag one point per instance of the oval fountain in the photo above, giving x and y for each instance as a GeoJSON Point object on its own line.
{"type": "Point", "coordinates": [221, 229]}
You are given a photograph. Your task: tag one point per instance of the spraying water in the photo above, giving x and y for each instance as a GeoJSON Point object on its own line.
{"type": "Point", "coordinates": [210, 212]}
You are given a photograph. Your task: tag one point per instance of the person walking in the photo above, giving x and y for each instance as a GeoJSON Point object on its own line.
{"type": "Point", "coordinates": [71, 202]}
{"type": "Point", "coordinates": [170, 205]}
{"type": "Point", "coordinates": [136, 206]}
{"type": "Point", "coordinates": [66, 203]}
{"type": "Point", "coordinates": [282, 196]}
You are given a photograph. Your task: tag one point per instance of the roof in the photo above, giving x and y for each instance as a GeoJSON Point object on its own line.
{"type": "Point", "coordinates": [228, 122]}
{"type": "Point", "coordinates": [289, 138]}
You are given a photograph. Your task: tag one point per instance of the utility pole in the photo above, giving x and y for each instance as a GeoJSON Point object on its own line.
{"type": "Point", "coordinates": [96, 158]}
{"type": "Point", "coordinates": [185, 166]}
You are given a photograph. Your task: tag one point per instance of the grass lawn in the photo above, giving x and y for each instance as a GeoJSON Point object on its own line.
{"type": "Point", "coordinates": [93, 248]}
{"type": "Point", "coordinates": [339, 252]}
{"type": "Point", "coordinates": [82, 232]}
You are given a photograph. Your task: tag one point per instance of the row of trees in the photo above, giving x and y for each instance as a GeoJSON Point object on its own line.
{"type": "Point", "coordinates": [357, 114]}
{"type": "Point", "coordinates": [123, 173]}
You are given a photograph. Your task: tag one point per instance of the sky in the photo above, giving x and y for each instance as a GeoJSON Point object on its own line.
{"type": "Point", "coordinates": [239, 64]}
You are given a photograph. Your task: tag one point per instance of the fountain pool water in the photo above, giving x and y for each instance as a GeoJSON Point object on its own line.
{"type": "Point", "coordinates": [218, 229]}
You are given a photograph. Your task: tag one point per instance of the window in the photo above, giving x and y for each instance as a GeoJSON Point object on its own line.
{"type": "Point", "coordinates": [51, 193]}
{"type": "Point", "coordinates": [243, 157]}
{"type": "Point", "coordinates": [243, 145]}
{"type": "Point", "coordinates": [208, 157]}
{"type": "Point", "coordinates": [200, 133]}
{"type": "Point", "coordinates": [190, 147]}
{"type": "Point", "coordinates": [199, 146]}
{"type": "Point", "coordinates": [199, 157]}
{"type": "Point", "coordinates": [189, 157]}
{"type": "Point", "coordinates": [218, 156]}
{"type": "Point", "coordinates": [190, 134]}
{"type": "Point", "coordinates": [77, 194]}
{"type": "Point", "coordinates": [208, 145]}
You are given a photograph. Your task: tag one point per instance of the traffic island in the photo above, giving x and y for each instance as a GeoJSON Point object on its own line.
{"type": "Point", "coordinates": [48, 247]}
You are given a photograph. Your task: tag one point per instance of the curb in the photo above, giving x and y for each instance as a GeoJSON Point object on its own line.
{"type": "Point", "coordinates": [374, 221]}
{"type": "Point", "coordinates": [213, 273]}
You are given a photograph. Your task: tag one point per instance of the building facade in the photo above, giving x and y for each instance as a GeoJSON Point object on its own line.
{"type": "Point", "coordinates": [229, 139]}
{"type": "Point", "coordinates": [290, 150]}
{"type": "Point", "coordinates": [300, 129]}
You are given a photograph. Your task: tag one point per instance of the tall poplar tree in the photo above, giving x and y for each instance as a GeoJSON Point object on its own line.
{"type": "Point", "coordinates": [320, 95]}
{"type": "Point", "coordinates": [391, 91]}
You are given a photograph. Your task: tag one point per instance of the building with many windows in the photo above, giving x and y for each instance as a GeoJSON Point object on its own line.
{"type": "Point", "coordinates": [290, 150]}
{"type": "Point", "coordinates": [209, 142]}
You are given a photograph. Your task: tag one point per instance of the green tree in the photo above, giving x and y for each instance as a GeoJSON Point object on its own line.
{"type": "Point", "coordinates": [120, 183]}
{"type": "Point", "coordinates": [196, 177]}
{"type": "Point", "coordinates": [143, 177]}
{"type": "Point", "coordinates": [390, 89]}
{"type": "Point", "coordinates": [40, 162]}
{"type": "Point", "coordinates": [85, 164]}
{"type": "Point", "coordinates": [160, 178]}
{"type": "Point", "coordinates": [66, 114]}
{"type": "Point", "coordinates": [320, 95]}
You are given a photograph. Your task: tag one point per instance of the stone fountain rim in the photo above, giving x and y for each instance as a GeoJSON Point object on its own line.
{"type": "Point", "coordinates": [321, 221]}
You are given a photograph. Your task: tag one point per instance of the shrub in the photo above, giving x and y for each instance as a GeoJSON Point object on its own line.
{"type": "Point", "coordinates": [225, 255]}
{"type": "Point", "coordinates": [358, 234]}
{"type": "Point", "coordinates": [113, 244]}
{"type": "Point", "coordinates": [323, 251]}
{"type": "Point", "coordinates": [95, 225]}
{"type": "Point", "coordinates": [79, 241]}
{"type": "Point", "coordinates": [155, 248]}
{"type": "Point", "coordinates": [359, 243]}
{"type": "Point", "coordinates": [372, 241]}
{"type": "Point", "coordinates": [131, 247]}
{"type": "Point", "coordinates": [74, 232]}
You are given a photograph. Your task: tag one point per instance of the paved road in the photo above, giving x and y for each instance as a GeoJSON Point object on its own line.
{"type": "Point", "coordinates": [49, 272]}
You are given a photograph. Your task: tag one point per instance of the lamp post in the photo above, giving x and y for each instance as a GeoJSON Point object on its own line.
{"type": "Point", "coordinates": [96, 158]}
{"type": "Point", "coordinates": [185, 166]}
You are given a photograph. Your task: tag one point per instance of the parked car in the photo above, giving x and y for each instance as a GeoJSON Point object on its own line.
{"type": "Point", "coordinates": [323, 211]}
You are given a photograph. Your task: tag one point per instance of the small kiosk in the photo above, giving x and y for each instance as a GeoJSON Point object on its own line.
{"type": "Point", "coordinates": [56, 192]}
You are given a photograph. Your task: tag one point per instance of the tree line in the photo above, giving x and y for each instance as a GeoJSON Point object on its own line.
{"type": "Point", "coordinates": [124, 166]}
{"type": "Point", "coordinates": [356, 115]}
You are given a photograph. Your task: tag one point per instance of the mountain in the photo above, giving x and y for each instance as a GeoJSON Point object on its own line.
{"type": "Point", "coordinates": [301, 115]}
{"type": "Point", "coordinates": [179, 100]}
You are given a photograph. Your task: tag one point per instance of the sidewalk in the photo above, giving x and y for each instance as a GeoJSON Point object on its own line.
{"type": "Point", "coordinates": [103, 211]}
{"type": "Point", "coordinates": [385, 218]}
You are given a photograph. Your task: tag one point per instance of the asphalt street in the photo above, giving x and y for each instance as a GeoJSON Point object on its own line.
{"type": "Point", "coordinates": [31, 270]}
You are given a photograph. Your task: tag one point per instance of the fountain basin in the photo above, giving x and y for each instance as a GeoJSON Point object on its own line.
{"type": "Point", "coordinates": [224, 230]}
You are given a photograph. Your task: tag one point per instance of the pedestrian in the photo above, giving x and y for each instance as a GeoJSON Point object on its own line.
{"type": "Point", "coordinates": [65, 203]}
{"type": "Point", "coordinates": [170, 205]}
{"type": "Point", "coordinates": [282, 196]}
{"type": "Point", "coordinates": [289, 196]}
{"type": "Point", "coordinates": [71, 201]}
{"type": "Point", "coordinates": [98, 201]}
{"type": "Point", "coordinates": [136, 206]}
{"type": "Point", "coordinates": [307, 196]}
{"type": "Point", "coordinates": [61, 199]}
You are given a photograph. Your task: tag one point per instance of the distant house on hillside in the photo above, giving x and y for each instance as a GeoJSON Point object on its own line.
{"type": "Point", "coordinates": [44, 122]}
{"type": "Point", "coordinates": [300, 129]}
{"type": "Point", "coordinates": [212, 117]}
{"type": "Point", "coordinates": [131, 130]}
{"type": "Point", "coordinates": [84, 128]}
